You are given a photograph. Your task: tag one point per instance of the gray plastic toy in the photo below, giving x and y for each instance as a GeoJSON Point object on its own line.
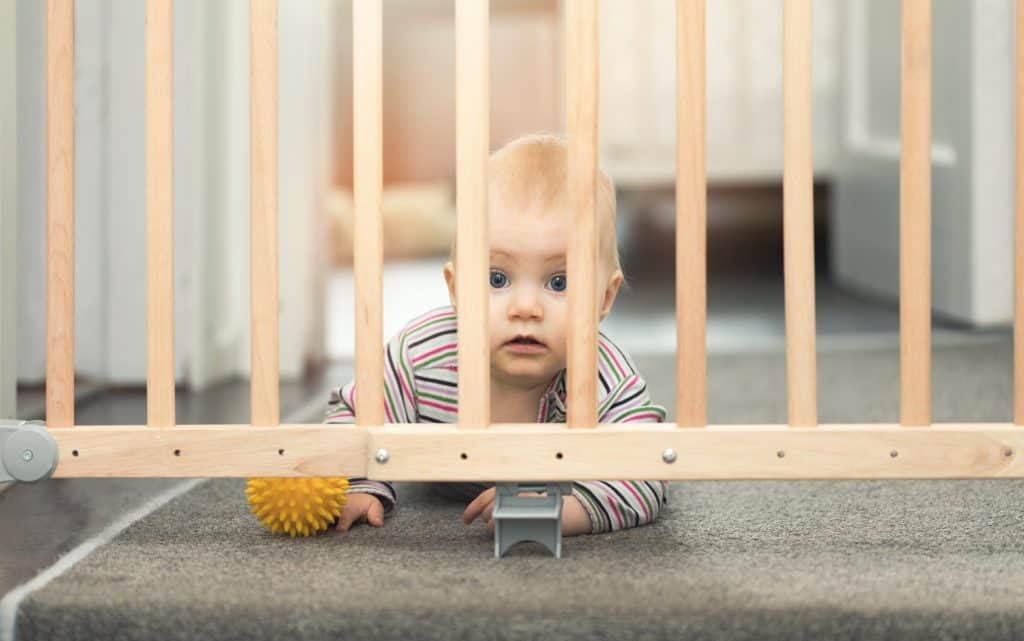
{"type": "Point", "coordinates": [528, 518]}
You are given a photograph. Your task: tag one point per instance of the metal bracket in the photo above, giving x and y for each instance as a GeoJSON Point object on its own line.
{"type": "Point", "coordinates": [28, 452]}
{"type": "Point", "coordinates": [528, 518]}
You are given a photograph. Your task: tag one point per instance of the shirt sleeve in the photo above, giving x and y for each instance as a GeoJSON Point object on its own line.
{"type": "Point", "coordinates": [617, 505]}
{"type": "Point", "coordinates": [399, 407]}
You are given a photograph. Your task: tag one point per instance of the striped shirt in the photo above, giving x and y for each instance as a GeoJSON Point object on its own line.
{"type": "Point", "coordinates": [421, 378]}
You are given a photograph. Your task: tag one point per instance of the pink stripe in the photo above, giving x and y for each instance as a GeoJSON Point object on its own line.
{"type": "Point", "coordinates": [433, 351]}
{"type": "Point", "coordinates": [352, 404]}
{"type": "Point", "coordinates": [610, 498]}
{"type": "Point", "coordinates": [423, 322]}
{"type": "Point", "coordinates": [636, 418]}
{"type": "Point", "coordinates": [405, 389]}
{"type": "Point", "coordinates": [639, 500]}
{"type": "Point", "coordinates": [344, 413]}
{"type": "Point", "coordinates": [442, 406]}
{"type": "Point", "coordinates": [611, 354]}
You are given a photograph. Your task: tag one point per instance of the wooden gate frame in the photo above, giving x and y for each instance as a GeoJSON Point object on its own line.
{"type": "Point", "coordinates": [474, 449]}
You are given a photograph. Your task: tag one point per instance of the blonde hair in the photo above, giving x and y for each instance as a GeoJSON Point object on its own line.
{"type": "Point", "coordinates": [529, 174]}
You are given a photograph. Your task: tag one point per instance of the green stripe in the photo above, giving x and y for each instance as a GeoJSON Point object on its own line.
{"type": "Point", "coordinates": [642, 493]}
{"type": "Point", "coordinates": [403, 362]}
{"type": "Point", "coordinates": [391, 402]}
{"type": "Point", "coordinates": [602, 525]}
{"type": "Point", "coordinates": [437, 357]}
{"type": "Point", "coordinates": [612, 397]}
{"type": "Point", "coordinates": [437, 397]}
{"type": "Point", "coordinates": [611, 366]}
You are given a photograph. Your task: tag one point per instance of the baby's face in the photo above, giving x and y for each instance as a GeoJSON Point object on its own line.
{"type": "Point", "coordinates": [528, 301]}
{"type": "Point", "coordinates": [527, 284]}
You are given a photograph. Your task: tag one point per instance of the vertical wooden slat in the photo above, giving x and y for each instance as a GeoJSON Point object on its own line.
{"type": "Point", "coordinates": [915, 214]}
{"type": "Point", "coordinates": [472, 109]}
{"type": "Point", "coordinates": [798, 235]}
{"type": "Point", "coordinates": [60, 213]}
{"type": "Point", "coordinates": [1018, 288]}
{"type": "Point", "coordinates": [159, 215]}
{"type": "Point", "coordinates": [691, 214]}
{"type": "Point", "coordinates": [582, 92]}
{"type": "Point", "coordinates": [368, 241]}
{"type": "Point", "coordinates": [263, 189]}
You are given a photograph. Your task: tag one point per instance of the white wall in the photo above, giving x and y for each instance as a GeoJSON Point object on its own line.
{"type": "Point", "coordinates": [972, 157]}
{"type": "Point", "coordinates": [8, 212]}
{"type": "Point", "coordinates": [211, 192]}
{"type": "Point", "coordinates": [744, 89]}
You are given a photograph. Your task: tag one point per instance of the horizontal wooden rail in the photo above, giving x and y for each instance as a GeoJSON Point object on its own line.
{"type": "Point", "coordinates": [512, 452]}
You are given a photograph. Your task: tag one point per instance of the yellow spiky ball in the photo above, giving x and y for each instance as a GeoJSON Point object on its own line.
{"type": "Point", "coordinates": [297, 507]}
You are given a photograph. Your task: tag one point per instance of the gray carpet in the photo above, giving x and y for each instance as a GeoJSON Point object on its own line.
{"type": "Point", "coordinates": [727, 560]}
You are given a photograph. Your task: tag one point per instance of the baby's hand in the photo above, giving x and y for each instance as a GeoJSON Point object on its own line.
{"type": "Point", "coordinates": [575, 519]}
{"type": "Point", "coordinates": [359, 507]}
{"type": "Point", "coordinates": [482, 506]}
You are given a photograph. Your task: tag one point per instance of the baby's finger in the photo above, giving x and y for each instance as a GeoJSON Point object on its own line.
{"type": "Point", "coordinates": [472, 511]}
{"type": "Point", "coordinates": [344, 522]}
{"type": "Point", "coordinates": [375, 516]}
{"type": "Point", "coordinates": [349, 515]}
{"type": "Point", "coordinates": [475, 508]}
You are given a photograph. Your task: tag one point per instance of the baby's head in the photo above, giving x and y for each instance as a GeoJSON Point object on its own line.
{"type": "Point", "coordinates": [529, 220]}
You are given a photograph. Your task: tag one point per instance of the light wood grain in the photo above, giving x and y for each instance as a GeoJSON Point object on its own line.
{"type": "Point", "coordinates": [264, 403]}
{"type": "Point", "coordinates": [159, 215]}
{"type": "Point", "coordinates": [915, 214]}
{"type": "Point", "coordinates": [523, 452]}
{"type": "Point", "coordinates": [472, 142]}
{"type": "Point", "coordinates": [798, 217]}
{"type": "Point", "coordinates": [691, 214]}
{"type": "Point", "coordinates": [582, 125]}
{"type": "Point", "coordinates": [60, 213]}
{"type": "Point", "coordinates": [368, 237]}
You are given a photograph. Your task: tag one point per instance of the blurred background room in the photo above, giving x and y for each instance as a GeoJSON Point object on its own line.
{"type": "Point", "coordinates": [856, 145]}
{"type": "Point", "coordinates": [856, 192]}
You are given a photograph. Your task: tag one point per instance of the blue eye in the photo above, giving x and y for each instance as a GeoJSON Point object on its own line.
{"type": "Point", "coordinates": [558, 283]}
{"type": "Point", "coordinates": [498, 280]}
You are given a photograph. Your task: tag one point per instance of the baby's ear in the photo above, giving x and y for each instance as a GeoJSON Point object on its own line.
{"type": "Point", "coordinates": [610, 292]}
{"type": "Point", "coordinates": [449, 279]}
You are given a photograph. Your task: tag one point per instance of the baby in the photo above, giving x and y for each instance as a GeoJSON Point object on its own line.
{"type": "Point", "coordinates": [529, 231]}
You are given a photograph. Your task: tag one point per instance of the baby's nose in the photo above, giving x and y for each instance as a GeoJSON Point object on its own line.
{"type": "Point", "coordinates": [526, 303]}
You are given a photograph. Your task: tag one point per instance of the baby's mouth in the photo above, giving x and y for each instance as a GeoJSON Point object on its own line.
{"type": "Point", "coordinates": [525, 341]}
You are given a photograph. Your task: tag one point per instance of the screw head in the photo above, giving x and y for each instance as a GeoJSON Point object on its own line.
{"type": "Point", "coordinates": [382, 455]}
{"type": "Point", "coordinates": [27, 455]}
{"type": "Point", "coordinates": [669, 455]}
